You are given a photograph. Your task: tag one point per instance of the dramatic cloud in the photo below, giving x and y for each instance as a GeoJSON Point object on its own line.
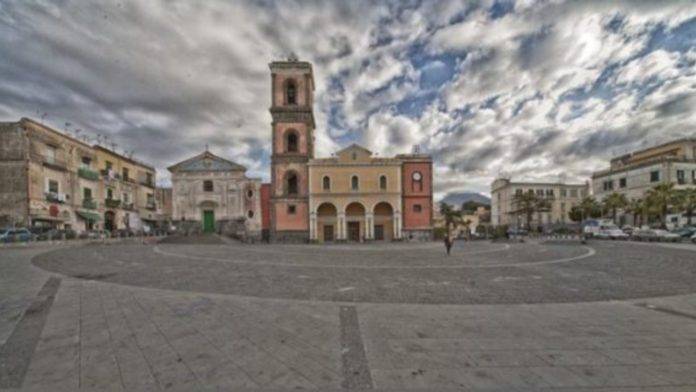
{"type": "Point", "coordinates": [531, 89]}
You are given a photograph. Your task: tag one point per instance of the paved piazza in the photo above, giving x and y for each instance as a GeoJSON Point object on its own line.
{"type": "Point", "coordinates": [206, 313]}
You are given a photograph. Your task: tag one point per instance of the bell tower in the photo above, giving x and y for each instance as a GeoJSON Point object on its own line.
{"type": "Point", "coordinates": [292, 110]}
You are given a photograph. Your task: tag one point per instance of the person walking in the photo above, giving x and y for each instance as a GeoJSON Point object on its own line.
{"type": "Point", "coordinates": [448, 244]}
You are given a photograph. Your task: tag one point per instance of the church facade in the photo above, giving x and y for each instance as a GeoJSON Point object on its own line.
{"type": "Point", "coordinates": [352, 196]}
{"type": "Point", "coordinates": [212, 194]}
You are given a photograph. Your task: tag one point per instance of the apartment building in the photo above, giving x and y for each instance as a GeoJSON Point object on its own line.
{"type": "Point", "coordinates": [54, 180]}
{"type": "Point", "coordinates": [561, 198]}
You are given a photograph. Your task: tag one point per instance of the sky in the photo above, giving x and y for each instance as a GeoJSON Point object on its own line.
{"type": "Point", "coordinates": [532, 90]}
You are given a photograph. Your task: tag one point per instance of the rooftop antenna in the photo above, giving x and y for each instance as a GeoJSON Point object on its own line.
{"type": "Point", "coordinates": [99, 139]}
{"type": "Point", "coordinates": [206, 147]}
{"type": "Point", "coordinates": [415, 149]}
{"type": "Point", "coordinates": [43, 116]}
{"type": "Point", "coordinates": [292, 57]}
{"type": "Point", "coordinates": [113, 146]}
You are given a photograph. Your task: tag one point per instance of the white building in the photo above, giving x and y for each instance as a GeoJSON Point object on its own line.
{"type": "Point", "coordinates": [635, 173]}
{"type": "Point", "coordinates": [562, 197]}
{"type": "Point", "coordinates": [213, 194]}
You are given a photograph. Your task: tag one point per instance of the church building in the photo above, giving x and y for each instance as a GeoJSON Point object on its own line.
{"type": "Point", "coordinates": [352, 196]}
{"type": "Point", "coordinates": [212, 194]}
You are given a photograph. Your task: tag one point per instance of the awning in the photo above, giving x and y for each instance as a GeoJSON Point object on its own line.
{"type": "Point", "coordinates": [89, 216]}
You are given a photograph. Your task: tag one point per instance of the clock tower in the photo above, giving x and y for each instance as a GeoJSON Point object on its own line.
{"type": "Point", "coordinates": [292, 110]}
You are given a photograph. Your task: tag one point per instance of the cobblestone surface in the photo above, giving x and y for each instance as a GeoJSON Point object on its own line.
{"type": "Point", "coordinates": [105, 335]}
{"type": "Point", "coordinates": [476, 273]}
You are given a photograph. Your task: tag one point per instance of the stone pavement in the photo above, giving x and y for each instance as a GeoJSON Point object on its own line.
{"type": "Point", "coordinates": [105, 336]}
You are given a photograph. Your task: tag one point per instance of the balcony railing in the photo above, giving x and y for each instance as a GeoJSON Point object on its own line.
{"type": "Point", "coordinates": [88, 174]}
{"type": "Point", "coordinates": [147, 183]}
{"type": "Point", "coordinates": [112, 203]}
{"type": "Point", "coordinates": [151, 206]}
{"type": "Point", "coordinates": [127, 206]}
{"type": "Point", "coordinates": [89, 204]}
{"type": "Point", "coordinates": [55, 197]}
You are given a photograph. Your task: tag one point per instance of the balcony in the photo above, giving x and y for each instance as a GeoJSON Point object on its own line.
{"type": "Point", "coordinates": [89, 204]}
{"type": "Point", "coordinates": [55, 197]}
{"type": "Point", "coordinates": [147, 183]}
{"type": "Point", "coordinates": [51, 162]}
{"type": "Point", "coordinates": [112, 203]}
{"type": "Point", "coordinates": [151, 206]}
{"type": "Point", "coordinates": [127, 206]}
{"type": "Point", "coordinates": [87, 174]}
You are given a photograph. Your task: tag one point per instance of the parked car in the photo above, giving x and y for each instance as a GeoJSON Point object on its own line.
{"type": "Point", "coordinates": [629, 229]}
{"type": "Point", "coordinates": [693, 238]}
{"type": "Point", "coordinates": [644, 235]}
{"type": "Point", "coordinates": [612, 234]}
{"type": "Point", "coordinates": [685, 232]}
{"type": "Point", "coordinates": [57, 234]}
{"type": "Point", "coordinates": [16, 235]}
{"type": "Point", "coordinates": [516, 232]}
{"type": "Point", "coordinates": [666, 236]}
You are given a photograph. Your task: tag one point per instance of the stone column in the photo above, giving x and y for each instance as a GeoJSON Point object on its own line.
{"type": "Point", "coordinates": [342, 226]}
{"type": "Point", "coordinates": [313, 226]}
{"type": "Point", "coordinates": [369, 226]}
{"type": "Point", "coordinates": [397, 225]}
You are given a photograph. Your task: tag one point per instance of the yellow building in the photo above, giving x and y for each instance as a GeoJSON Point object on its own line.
{"type": "Point", "coordinates": [127, 191]}
{"type": "Point", "coordinates": [354, 196]}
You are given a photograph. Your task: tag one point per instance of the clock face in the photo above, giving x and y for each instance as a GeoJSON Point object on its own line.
{"type": "Point", "coordinates": [417, 176]}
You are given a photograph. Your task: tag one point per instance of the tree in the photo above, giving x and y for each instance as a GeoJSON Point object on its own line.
{"type": "Point", "coordinates": [637, 208]}
{"type": "Point", "coordinates": [590, 208]}
{"type": "Point", "coordinates": [575, 214]}
{"type": "Point", "coordinates": [686, 201]}
{"type": "Point", "coordinates": [526, 203]}
{"type": "Point", "coordinates": [661, 197]}
{"type": "Point", "coordinates": [614, 202]}
{"type": "Point", "coordinates": [453, 218]}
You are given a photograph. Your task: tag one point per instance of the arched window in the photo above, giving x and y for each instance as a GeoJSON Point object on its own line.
{"type": "Point", "coordinates": [383, 183]}
{"type": "Point", "coordinates": [207, 186]}
{"type": "Point", "coordinates": [291, 184]}
{"type": "Point", "coordinates": [326, 183]}
{"type": "Point", "coordinates": [291, 93]}
{"type": "Point", "coordinates": [354, 183]}
{"type": "Point", "coordinates": [291, 142]}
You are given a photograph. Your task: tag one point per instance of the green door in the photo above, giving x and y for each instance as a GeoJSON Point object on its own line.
{"type": "Point", "coordinates": [208, 221]}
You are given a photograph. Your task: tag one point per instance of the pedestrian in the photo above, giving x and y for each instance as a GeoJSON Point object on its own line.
{"type": "Point", "coordinates": [448, 244]}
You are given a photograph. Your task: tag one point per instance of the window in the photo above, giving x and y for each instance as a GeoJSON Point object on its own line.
{"type": "Point", "coordinates": [291, 93]}
{"type": "Point", "coordinates": [573, 193]}
{"type": "Point", "coordinates": [608, 185]}
{"type": "Point", "coordinates": [417, 208]}
{"type": "Point", "coordinates": [250, 214]}
{"type": "Point", "coordinates": [383, 183]}
{"type": "Point", "coordinates": [519, 191]}
{"type": "Point", "coordinates": [564, 193]}
{"type": "Point", "coordinates": [622, 182]}
{"type": "Point", "coordinates": [291, 142]}
{"type": "Point", "coordinates": [207, 186]}
{"type": "Point", "coordinates": [148, 178]}
{"type": "Point", "coordinates": [549, 193]}
{"type": "Point", "coordinates": [292, 209]}
{"type": "Point", "coordinates": [681, 177]}
{"type": "Point", "coordinates": [109, 165]}
{"type": "Point", "coordinates": [655, 176]}
{"type": "Point", "coordinates": [250, 194]}
{"type": "Point", "coordinates": [87, 193]}
{"type": "Point", "coordinates": [109, 193]}
{"type": "Point", "coordinates": [53, 186]}
{"type": "Point", "coordinates": [291, 185]}
{"type": "Point", "coordinates": [354, 183]}
{"type": "Point", "coordinates": [125, 198]}
{"type": "Point", "coordinates": [354, 156]}
{"type": "Point", "coordinates": [50, 154]}
{"type": "Point", "coordinates": [326, 183]}
{"type": "Point", "coordinates": [540, 192]}
{"type": "Point", "coordinates": [125, 174]}
{"type": "Point", "coordinates": [86, 161]}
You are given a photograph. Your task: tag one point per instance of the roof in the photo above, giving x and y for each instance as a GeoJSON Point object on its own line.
{"type": "Point", "coordinates": [205, 162]}
{"type": "Point", "coordinates": [354, 147]}
{"type": "Point", "coordinates": [122, 157]}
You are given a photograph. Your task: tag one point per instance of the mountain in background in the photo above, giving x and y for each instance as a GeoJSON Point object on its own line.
{"type": "Point", "coordinates": [458, 198]}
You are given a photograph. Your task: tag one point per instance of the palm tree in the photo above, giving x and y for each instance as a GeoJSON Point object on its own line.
{"type": "Point", "coordinates": [590, 208]}
{"type": "Point", "coordinates": [660, 198]}
{"type": "Point", "coordinates": [526, 203]}
{"type": "Point", "coordinates": [453, 218]}
{"type": "Point", "coordinates": [637, 208]}
{"type": "Point", "coordinates": [614, 202]}
{"type": "Point", "coordinates": [686, 200]}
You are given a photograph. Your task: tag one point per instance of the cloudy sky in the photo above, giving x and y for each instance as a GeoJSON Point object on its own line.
{"type": "Point", "coordinates": [530, 89]}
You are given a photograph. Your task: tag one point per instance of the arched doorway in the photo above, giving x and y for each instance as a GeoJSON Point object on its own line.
{"type": "Point", "coordinates": [326, 222]}
{"type": "Point", "coordinates": [109, 221]}
{"type": "Point", "coordinates": [355, 222]}
{"type": "Point", "coordinates": [384, 222]}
